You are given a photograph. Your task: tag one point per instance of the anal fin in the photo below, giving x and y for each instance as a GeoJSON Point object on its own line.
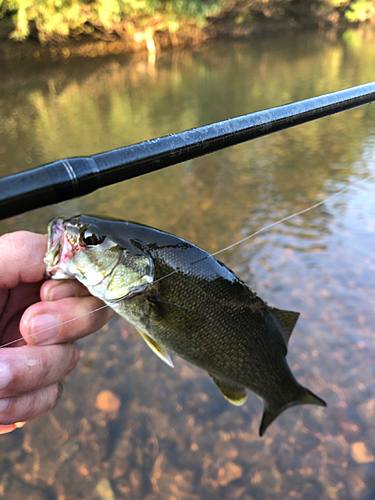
{"type": "Point", "coordinates": [234, 393]}
{"type": "Point", "coordinates": [157, 348]}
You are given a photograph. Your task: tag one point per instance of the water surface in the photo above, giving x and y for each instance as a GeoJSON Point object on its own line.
{"type": "Point", "coordinates": [174, 436]}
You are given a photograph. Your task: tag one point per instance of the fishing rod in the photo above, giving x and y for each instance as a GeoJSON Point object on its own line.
{"type": "Point", "coordinates": [73, 177]}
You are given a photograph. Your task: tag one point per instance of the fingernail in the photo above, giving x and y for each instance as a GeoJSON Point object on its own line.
{"type": "Point", "coordinates": [61, 291]}
{"type": "Point", "coordinates": [5, 429]}
{"type": "Point", "coordinates": [43, 327]}
{"type": "Point", "coordinates": [19, 424]}
{"type": "Point", "coordinates": [5, 375]}
{"type": "Point", "coordinates": [59, 392]}
{"type": "Point", "coordinates": [4, 403]}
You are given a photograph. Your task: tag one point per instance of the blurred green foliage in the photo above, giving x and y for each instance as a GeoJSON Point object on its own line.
{"type": "Point", "coordinates": [54, 19]}
{"type": "Point", "coordinates": [361, 10]}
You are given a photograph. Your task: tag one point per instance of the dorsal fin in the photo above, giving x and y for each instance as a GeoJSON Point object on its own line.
{"type": "Point", "coordinates": [234, 393]}
{"type": "Point", "coordinates": [287, 320]}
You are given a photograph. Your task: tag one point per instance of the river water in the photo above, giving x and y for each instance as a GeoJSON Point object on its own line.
{"type": "Point", "coordinates": [174, 436]}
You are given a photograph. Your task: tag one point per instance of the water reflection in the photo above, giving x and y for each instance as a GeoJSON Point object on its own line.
{"type": "Point", "coordinates": [173, 436]}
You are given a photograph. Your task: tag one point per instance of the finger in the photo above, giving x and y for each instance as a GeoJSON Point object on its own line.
{"type": "Point", "coordinates": [5, 429]}
{"type": "Point", "coordinates": [61, 289]}
{"type": "Point", "coordinates": [63, 320]}
{"type": "Point", "coordinates": [29, 368]}
{"type": "Point", "coordinates": [28, 406]}
{"type": "Point", "coordinates": [18, 299]}
{"type": "Point", "coordinates": [21, 258]}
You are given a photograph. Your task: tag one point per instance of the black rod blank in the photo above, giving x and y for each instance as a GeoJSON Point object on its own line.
{"type": "Point", "coordinates": [73, 177]}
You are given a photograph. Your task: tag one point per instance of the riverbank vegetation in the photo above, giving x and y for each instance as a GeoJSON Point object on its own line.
{"type": "Point", "coordinates": [139, 23]}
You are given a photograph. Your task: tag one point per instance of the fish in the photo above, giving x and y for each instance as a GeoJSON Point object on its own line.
{"type": "Point", "coordinates": [183, 300]}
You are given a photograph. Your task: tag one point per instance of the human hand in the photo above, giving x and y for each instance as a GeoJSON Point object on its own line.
{"type": "Point", "coordinates": [43, 348]}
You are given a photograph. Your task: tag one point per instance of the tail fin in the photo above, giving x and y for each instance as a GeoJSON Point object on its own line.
{"type": "Point", "coordinates": [303, 397]}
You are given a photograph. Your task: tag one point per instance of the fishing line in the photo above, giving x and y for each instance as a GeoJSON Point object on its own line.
{"type": "Point", "coordinates": [60, 324]}
{"type": "Point", "coordinates": [295, 215]}
{"type": "Point", "coordinates": [273, 224]}
{"type": "Point", "coordinates": [265, 228]}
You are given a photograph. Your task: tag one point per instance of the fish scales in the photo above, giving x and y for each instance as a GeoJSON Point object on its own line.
{"type": "Point", "coordinates": [184, 300]}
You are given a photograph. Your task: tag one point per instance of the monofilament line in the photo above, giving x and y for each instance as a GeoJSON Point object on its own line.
{"type": "Point", "coordinates": [265, 228]}
{"type": "Point", "coordinates": [60, 324]}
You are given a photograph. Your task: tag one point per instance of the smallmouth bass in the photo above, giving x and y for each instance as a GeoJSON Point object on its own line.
{"type": "Point", "coordinates": [182, 299]}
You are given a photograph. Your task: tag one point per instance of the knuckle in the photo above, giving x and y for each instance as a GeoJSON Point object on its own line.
{"type": "Point", "coordinates": [76, 355]}
{"type": "Point", "coordinates": [46, 365]}
{"type": "Point", "coordinates": [54, 394]}
{"type": "Point", "coordinates": [29, 406]}
{"type": "Point", "coordinates": [15, 241]}
{"type": "Point", "coordinates": [17, 409]}
{"type": "Point", "coordinates": [91, 323]}
{"type": "Point", "coordinates": [6, 407]}
{"type": "Point", "coordinates": [73, 357]}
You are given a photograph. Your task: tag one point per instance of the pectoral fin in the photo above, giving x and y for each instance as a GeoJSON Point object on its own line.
{"type": "Point", "coordinates": [234, 393]}
{"type": "Point", "coordinates": [157, 348]}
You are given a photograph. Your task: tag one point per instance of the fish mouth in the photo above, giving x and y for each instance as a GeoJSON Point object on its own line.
{"type": "Point", "coordinates": [55, 235]}
{"type": "Point", "coordinates": [59, 249]}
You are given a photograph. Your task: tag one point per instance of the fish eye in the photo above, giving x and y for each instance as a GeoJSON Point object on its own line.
{"type": "Point", "coordinates": [91, 237]}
